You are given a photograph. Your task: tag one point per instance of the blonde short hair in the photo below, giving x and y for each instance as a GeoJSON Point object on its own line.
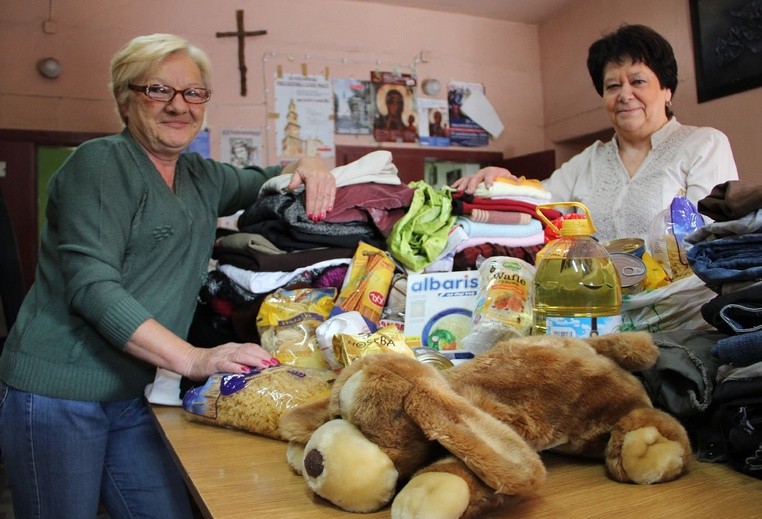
{"type": "Point", "coordinates": [143, 54]}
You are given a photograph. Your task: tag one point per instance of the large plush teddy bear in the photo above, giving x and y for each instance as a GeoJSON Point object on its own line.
{"type": "Point", "coordinates": [465, 440]}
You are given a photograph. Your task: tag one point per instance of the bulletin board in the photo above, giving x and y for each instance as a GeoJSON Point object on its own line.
{"type": "Point", "coordinates": [310, 99]}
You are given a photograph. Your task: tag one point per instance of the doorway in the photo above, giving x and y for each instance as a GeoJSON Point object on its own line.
{"type": "Point", "coordinates": [22, 152]}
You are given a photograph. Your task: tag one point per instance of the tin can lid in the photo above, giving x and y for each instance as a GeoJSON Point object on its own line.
{"type": "Point", "coordinates": [431, 356]}
{"type": "Point", "coordinates": [633, 246]}
{"type": "Point", "coordinates": [631, 269]}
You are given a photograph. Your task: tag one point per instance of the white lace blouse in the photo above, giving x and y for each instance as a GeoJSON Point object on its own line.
{"type": "Point", "coordinates": [689, 158]}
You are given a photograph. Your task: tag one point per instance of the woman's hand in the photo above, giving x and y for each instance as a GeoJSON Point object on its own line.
{"type": "Point", "coordinates": [487, 175]}
{"type": "Point", "coordinates": [319, 183]}
{"type": "Point", "coordinates": [227, 358]}
{"type": "Point", "coordinates": [155, 344]}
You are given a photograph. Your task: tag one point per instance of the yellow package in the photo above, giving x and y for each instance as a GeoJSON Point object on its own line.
{"type": "Point", "coordinates": [366, 286]}
{"type": "Point", "coordinates": [656, 276]}
{"type": "Point", "coordinates": [255, 401]}
{"type": "Point", "coordinates": [287, 321]}
{"type": "Point", "coordinates": [349, 347]}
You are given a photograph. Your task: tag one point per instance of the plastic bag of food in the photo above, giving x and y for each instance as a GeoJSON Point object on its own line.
{"type": "Point", "coordinates": [350, 323]}
{"type": "Point", "coordinates": [366, 285]}
{"type": "Point", "coordinates": [349, 347]}
{"type": "Point", "coordinates": [666, 235]}
{"type": "Point", "coordinates": [287, 321]}
{"type": "Point", "coordinates": [503, 306]}
{"type": "Point", "coordinates": [255, 401]}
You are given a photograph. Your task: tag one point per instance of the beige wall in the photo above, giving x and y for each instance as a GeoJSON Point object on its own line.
{"type": "Point", "coordinates": [535, 76]}
{"type": "Point", "coordinates": [573, 109]}
{"type": "Point", "coordinates": [351, 38]}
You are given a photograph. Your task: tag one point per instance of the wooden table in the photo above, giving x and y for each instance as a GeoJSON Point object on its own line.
{"type": "Point", "coordinates": [233, 474]}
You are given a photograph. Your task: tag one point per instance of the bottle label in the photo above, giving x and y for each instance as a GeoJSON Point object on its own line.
{"type": "Point", "coordinates": [582, 326]}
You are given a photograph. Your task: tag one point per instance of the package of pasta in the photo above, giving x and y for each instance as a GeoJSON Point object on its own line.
{"type": "Point", "coordinates": [255, 401]}
{"type": "Point", "coordinates": [366, 285]}
{"type": "Point", "coordinates": [287, 321]}
{"type": "Point", "coordinates": [665, 240]}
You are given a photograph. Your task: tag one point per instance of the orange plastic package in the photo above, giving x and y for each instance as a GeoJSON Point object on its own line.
{"type": "Point", "coordinates": [367, 283]}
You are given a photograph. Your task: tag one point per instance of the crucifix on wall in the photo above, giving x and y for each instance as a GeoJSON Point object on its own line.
{"type": "Point", "coordinates": [240, 33]}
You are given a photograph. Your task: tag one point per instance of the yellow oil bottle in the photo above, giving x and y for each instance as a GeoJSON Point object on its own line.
{"type": "Point", "coordinates": [576, 288]}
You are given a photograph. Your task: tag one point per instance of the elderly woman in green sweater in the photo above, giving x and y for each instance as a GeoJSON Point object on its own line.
{"type": "Point", "coordinates": [130, 225]}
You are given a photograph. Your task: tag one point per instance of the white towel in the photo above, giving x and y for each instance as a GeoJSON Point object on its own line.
{"type": "Point", "coordinates": [376, 167]}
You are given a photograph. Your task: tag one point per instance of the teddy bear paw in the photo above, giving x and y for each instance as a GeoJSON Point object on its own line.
{"type": "Point", "coordinates": [432, 495]}
{"type": "Point", "coordinates": [649, 457]}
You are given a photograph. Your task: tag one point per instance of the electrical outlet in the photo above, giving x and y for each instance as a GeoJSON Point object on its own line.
{"type": "Point", "coordinates": [2, 169]}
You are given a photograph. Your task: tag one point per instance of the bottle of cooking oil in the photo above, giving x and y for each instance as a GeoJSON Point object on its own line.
{"type": "Point", "coordinates": [576, 288]}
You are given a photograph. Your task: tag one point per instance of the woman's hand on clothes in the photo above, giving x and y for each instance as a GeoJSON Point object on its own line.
{"type": "Point", "coordinates": [487, 175]}
{"type": "Point", "coordinates": [228, 358]}
{"type": "Point", "coordinates": [319, 183]}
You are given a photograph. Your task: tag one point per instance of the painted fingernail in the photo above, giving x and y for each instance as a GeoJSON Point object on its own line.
{"type": "Point", "coordinates": [274, 361]}
{"type": "Point", "coordinates": [266, 362]}
{"type": "Point", "coordinates": [245, 369]}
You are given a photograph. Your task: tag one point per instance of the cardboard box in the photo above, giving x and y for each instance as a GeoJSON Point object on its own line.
{"type": "Point", "coordinates": [439, 308]}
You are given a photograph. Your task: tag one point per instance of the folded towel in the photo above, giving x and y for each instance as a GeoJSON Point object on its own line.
{"type": "Point", "coordinates": [479, 229]}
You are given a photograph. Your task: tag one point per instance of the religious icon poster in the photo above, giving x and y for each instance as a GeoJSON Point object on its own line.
{"type": "Point", "coordinates": [434, 127]}
{"type": "Point", "coordinates": [395, 116]}
{"type": "Point", "coordinates": [304, 108]}
{"type": "Point", "coordinates": [463, 130]}
{"type": "Point", "coordinates": [241, 147]}
{"type": "Point", "coordinates": [353, 106]}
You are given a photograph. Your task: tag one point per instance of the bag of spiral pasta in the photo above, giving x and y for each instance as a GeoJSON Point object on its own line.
{"type": "Point", "coordinates": [255, 401]}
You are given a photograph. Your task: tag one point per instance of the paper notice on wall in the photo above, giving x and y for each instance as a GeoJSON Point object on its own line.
{"type": "Point", "coordinates": [480, 110]}
{"type": "Point", "coordinates": [354, 108]}
{"type": "Point", "coordinates": [463, 130]}
{"type": "Point", "coordinates": [434, 128]}
{"type": "Point", "coordinates": [241, 146]}
{"type": "Point", "coordinates": [304, 108]}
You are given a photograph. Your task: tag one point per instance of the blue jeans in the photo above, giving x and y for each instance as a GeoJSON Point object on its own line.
{"type": "Point", "coordinates": [64, 457]}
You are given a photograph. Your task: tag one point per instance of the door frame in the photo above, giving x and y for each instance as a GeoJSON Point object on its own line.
{"type": "Point", "coordinates": [18, 150]}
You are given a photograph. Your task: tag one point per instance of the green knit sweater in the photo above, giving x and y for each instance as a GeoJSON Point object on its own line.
{"type": "Point", "coordinates": [119, 247]}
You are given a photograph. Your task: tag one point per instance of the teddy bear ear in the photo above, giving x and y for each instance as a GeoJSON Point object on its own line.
{"type": "Point", "coordinates": [491, 449]}
{"type": "Point", "coordinates": [298, 423]}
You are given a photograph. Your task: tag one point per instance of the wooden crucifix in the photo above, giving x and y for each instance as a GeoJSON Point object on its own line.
{"type": "Point", "coordinates": [240, 33]}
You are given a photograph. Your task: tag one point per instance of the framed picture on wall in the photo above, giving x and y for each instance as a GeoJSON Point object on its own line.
{"type": "Point", "coordinates": [726, 46]}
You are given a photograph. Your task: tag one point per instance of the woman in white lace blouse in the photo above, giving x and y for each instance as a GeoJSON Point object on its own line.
{"type": "Point", "coordinates": [651, 158]}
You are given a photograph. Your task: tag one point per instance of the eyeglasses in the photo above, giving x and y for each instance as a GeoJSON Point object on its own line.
{"type": "Point", "coordinates": [166, 94]}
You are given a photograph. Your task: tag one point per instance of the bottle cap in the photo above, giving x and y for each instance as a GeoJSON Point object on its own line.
{"type": "Point", "coordinates": [570, 227]}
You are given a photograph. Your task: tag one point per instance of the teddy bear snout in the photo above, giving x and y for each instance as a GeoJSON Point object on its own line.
{"type": "Point", "coordinates": [313, 463]}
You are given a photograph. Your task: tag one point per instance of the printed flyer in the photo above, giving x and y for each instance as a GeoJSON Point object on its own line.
{"type": "Point", "coordinates": [463, 130]}
{"type": "Point", "coordinates": [353, 106]}
{"type": "Point", "coordinates": [434, 129]}
{"type": "Point", "coordinates": [304, 107]}
{"type": "Point", "coordinates": [241, 147]}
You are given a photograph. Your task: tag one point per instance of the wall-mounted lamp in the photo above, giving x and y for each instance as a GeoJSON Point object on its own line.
{"type": "Point", "coordinates": [49, 67]}
{"type": "Point", "coordinates": [431, 87]}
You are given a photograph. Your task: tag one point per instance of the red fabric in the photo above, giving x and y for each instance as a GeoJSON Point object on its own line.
{"type": "Point", "coordinates": [465, 204]}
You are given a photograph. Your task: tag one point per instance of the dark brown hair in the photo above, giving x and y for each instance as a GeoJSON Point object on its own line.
{"type": "Point", "coordinates": [639, 43]}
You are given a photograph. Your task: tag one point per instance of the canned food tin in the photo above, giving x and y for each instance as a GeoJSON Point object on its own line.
{"type": "Point", "coordinates": [632, 272]}
{"type": "Point", "coordinates": [431, 356]}
{"type": "Point", "coordinates": [633, 246]}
